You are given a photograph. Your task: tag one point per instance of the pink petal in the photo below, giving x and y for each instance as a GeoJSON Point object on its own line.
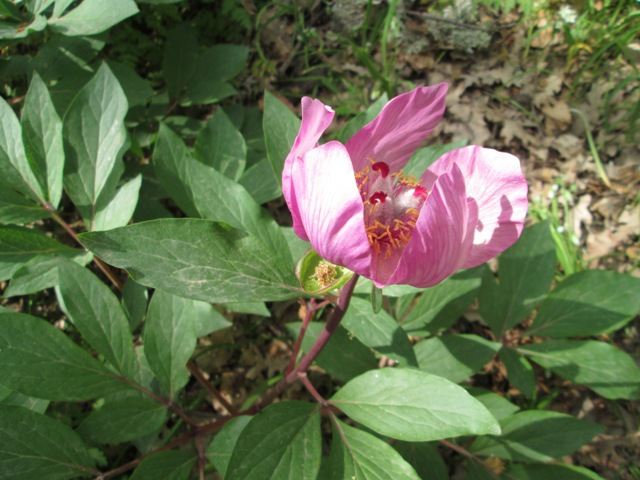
{"type": "Point", "coordinates": [316, 117]}
{"type": "Point", "coordinates": [495, 181]}
{"type": "Point", "coordinates": [443, 236]}
{"type": "Point", "coordinates": [331, 209]}
{"type": "Point", "coordinates": [399, 129]}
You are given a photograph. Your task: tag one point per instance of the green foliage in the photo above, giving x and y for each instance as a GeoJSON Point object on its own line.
{"type": "Point", "coordinates": [108, 120]}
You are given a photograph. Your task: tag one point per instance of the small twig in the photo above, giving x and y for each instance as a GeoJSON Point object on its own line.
{"type": "Point", "coordinates": [202, 461]}
{"type": "Point", "coordinates": [193, 368]}
{"type": "Point", "coordinates": [167, 403]}
{"type": "Point", "coordinates": [302, 376]}
{"type": "Point", "coordinates": [101, 265]}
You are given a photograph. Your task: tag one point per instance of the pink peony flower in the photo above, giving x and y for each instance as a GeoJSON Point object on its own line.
{"type": "Point", "coordinates": [358, 210]}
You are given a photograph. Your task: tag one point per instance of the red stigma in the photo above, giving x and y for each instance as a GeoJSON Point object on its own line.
{"type": "Point", "coordinates": [378, 197]}
{"type": "Point", "coordinates": [420, 192]}
{"type": "Point", "coordinates": [381, 167]}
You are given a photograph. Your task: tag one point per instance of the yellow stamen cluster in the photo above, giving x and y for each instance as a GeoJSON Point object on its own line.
{"type": "Point", "coordinates": [325, 274]}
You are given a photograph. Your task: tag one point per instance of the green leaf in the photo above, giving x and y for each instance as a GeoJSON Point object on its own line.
{"type": "Point", "coordinates": [379, 332]}
{"type": "Point", "coordinates": [18, 209]}
{"type": "Point", "coordinates": [123, 420]}
{"type": "Point", "coordinates": [344, 357]}
{"type": "Point", "coordinates": [262, 183]}
{"type": "Point", "coordinates": [358, 455]}
{"type": "Point", "coordinates": [93, 16]}
{"type": "Point", "coordinates": [38, 6]}
{"type": "Point", "coordinates": [94, 135]}
{"type": "Point", "coordinates": [8, 9]}
{"type": "Point", "coordinates": [203, 191]}
{"type": "Point", "coordinates": [170, 339]}
{"type": "Point", "coordinates": [97, 314]}
{"type": "Point", "coordinates": [499, 406]}
{"type": "Point", "coordinates": [413, 406]}
{"type": "Point", "coordinates": [537, 436]}
{"type": "Point", "coordinates": [221, 146]}
{"type": "Point", "coordinates": [37, 446]}
{"type": "Point", "coordinates": [440, 306]}
{"type": "Point", "coordinates": [207, 319]}
{"type": "Point", "coordinates": [17, 399]}
{"type": "Point", "coordinates": [42, 136]}
{"type": "Point", "coordinates": [117, 209]}
{"type": "Point", "coordinates": [199, 78]}
{"type": "Point", "coordinates": [221, 448]}
{"type": "Point", "coordinates": [455, 357]}
{"type": "Point", "coordinates": [284, 438]}
{"type": "Point", "coordinates": [280, 131]}
{"type": "Point", "coordinates": [195, 259]}
{"type": "Point", "coordinates": [213, 67]}
{"type": "Point", "coordinates": [425, 459]}
{"type": "Point", "coordinates": [588, 303]}
{"type": "Point", "coordinates": [134, 302]}
{"type": "Point", "coordinates": [19, 245]}
{"type": "Point", "coordinates": [179, 59]}
{"type": "Point", "coordinates": [15, 171]}
{"type": "Point", "coordinates": [167, 465]}
{"type": "Point", "coordinates": [137, 90]}
{"type": "Point", "coordinates": [424, 157]}
{"type": "Point", "coordinates": [602, 367]}
{"type": "Point", "coordinates": [39, 273]}
{"type": "Point", "coordinates": [39, 360]}
{"type": "Point", "coordinates": [537, 471]}
{"type": "Point", "coordinates": [252, 308]}
{"type": "Point", "coordinates": [519, 371]}
{"type": "Point", "coordinates": [526, 272]}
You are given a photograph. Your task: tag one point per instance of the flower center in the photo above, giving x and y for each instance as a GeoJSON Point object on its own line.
{"type": "Point", "coordinates": [392, 203]}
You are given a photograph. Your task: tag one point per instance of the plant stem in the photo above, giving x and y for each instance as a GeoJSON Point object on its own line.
{"type": "Point", "coordinates": [101, 265]}
{"type": "Point", "coordinates": [193, 368]}
{"type": "Point", "coordinates": [330, 327]}
{"type": "Point", "coordinates": [302, 376]}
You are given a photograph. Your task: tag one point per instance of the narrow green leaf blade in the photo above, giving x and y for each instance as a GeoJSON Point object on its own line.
{"type": "Point", "coordinates": [280, 131]}
{"type": "Point", "coordinates": [537, 436]}
{"type": "Point", "coordinates": [97, 314]}
{"type": "Point", "coordinates": [123, 420]}
{"type": "Point", "coordinates": [379, 331]}
{"type": "Point", "coordinates": [359, 455]}
{"type": "Point", "coordinates": [170, 339]}
{"type": "Point", "coordinates": [455, 357]}
{"type": "Point", "coordinates": [412, 405]}
{"type": "Point", "coordinates": [195, 259]}
{"type": "Point", "coordinates": [15, 171]}
{"type": "Point", "coordinates": [94, 135]}
{"type": "Point", "coordinates": [284, 438]}
{"type": "Point", "coordinates": [93, 16]}
{"type": "Point", "coordinates": [602, 367]}
{"type": "Point", "coordinates": [39, 360]}
{"type": "Point", "coordinates": [37, 446]}
{"type": "Point", "coordinates": [588, 303]}
{"type": "Point", "coordinates": [42, 136]}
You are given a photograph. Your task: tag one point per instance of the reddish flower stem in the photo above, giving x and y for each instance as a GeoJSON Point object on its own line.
{"type": "Point", "coordinates": [101, 265]}
{"type": "Point", "coordinates": [311, 308]}
{"type": "Point", "coordinates": [330, 327]}
{"type": "Point", "coordinates": [206, 384]}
